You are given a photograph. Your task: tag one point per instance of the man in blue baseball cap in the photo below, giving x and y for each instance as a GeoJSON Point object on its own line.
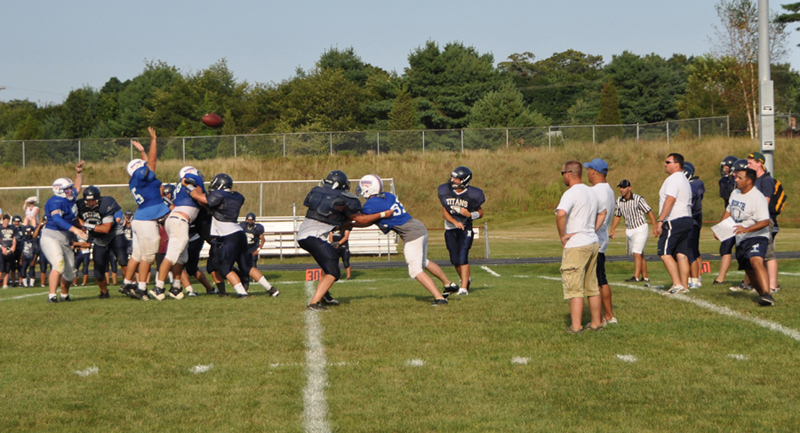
{"type": "Point", "coordinates": [597, 171]}
{"type": "Point", "coordinates": [598, 165]}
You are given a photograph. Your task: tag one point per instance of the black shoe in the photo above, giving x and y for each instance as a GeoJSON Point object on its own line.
{"type": "Point", "coordinates": [316, 307]}
{"type": "Point", "coordinates": [449, 290]}
{"type": "Point", "coordinates": [437, 302]}
{"type": "Point", "coordinates": [327, 299]}
{"type": "Point", "coordinates": [765, 300]}
{"type": "Point", "coordinates": [128, 289]}
{"type": "Point", "coordinates": [632, 280]}
{"type": "Point", "coordinates": [158, 294]}
{"type": "Point", "coordinates": [273, 292]}
{"type": "Point", "coordinates": [53, 300]}
{"type": "Point", "coordinates": [140, 294]}
{"type": "Point", "coordinates": [212, 292]}
{"type": "Point", "coordinates": [67, 299]}
{"type": "Point", "coordinates": [717, 282]}
{"type": "Point", "coordinates": [176, 293]}
{"type": "Point", "coordinates": [469, 282]}
{"type": "Point", "coordinates": [242, 296]}
{"type": "Point", "coordinates": [223, 295]}
{"type": "Point", "coordinates": [105, 295]}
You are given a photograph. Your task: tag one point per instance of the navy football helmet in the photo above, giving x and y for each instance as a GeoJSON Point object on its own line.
{"type": "Point", "coordinates": [92, 193]}
{"type": "Point", "coordinates": [221, 182]}
{"type": "Point", "coordinates": [728, 161]}
{"type": "Point", "coordinates": [462, 173]}
{"type": "Point", "coordinates": [739, 165]}
{"type": "Point", "coordinates": [337, 180]}
{"type": "Point", "coordinates": [169, 191]}
{"type": "Point", "coordinates": [688, 170]}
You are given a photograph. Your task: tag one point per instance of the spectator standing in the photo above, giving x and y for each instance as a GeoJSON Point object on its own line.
{"type": "Point", "coordinates": [766, 185]}
{"type": "Point", "coordinates": [674, 223]}
{"type": "Point", "coordinates": [597, 172]}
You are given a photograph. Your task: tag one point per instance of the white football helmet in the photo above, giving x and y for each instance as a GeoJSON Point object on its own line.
{"type": "Point", "coordinates": [64, 187]}
{"type": "Point", "coordinates": [369, 185]}
{"type": "Point", "coordinates": [134, 165]}
{"type": "Point", "coordinates": [187, 170]}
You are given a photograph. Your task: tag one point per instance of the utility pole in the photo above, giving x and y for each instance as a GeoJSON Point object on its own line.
{"type": "Point", "coordinates": [766, 98]}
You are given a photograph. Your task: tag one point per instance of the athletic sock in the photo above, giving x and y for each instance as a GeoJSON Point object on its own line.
{"type": "Point", "coordinates": [240, 289]}
{"type": "Point", "coordinates": [159, 284]}
{"type": "Point", "coordinates": [126, 281]}
{"type": "Point", "coordinates": [263, 281]}
{"type": "Point", "coordinates": [142, 285]}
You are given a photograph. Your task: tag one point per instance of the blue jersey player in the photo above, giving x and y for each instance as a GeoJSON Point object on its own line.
{"type": "Point", "coordinates": [148, 193]}
{"type": "Point", "coordinates": [56, 240]}
{"type": "Point", "coordinates": [412, 231]}
{"type": "Point", "coordinates": [461, 204]}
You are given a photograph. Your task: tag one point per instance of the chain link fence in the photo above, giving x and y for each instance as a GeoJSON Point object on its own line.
{"type": "Point", "coordinates": [42, 152]}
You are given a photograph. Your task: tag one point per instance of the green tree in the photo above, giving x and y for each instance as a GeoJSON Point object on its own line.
{"type": "Point", "coordinates": [79, 112]}
{"type": "Point", "coordinates": [609, 113]}
{"type": "Point", "coordinates": [447, 82]}
{"type": "Point", "coordinates": [792, 17]}
{"type": "Point", "coordinates": [403, 116]}
{"type": "Point", "coordinates": [504, 108]}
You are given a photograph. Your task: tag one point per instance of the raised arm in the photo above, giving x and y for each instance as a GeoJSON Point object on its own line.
{"type": "Point", "coordinates": [151, 157]}
{"type": "Point", "coordinates": [79, 177]}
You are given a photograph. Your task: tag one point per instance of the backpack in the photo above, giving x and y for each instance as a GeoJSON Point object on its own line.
{"type": "Point", "coordinates": [778, 199]}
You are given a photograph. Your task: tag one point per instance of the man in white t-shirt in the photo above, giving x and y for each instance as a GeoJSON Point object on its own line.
{"type": "Point", "coordinates": [578, 217]}
{"type": "Point", "coordinates": [598, 169]}
{"type": "Point", "coordinates": [749, 210]}
{"type": "Point", "coordinates": [674, 223]}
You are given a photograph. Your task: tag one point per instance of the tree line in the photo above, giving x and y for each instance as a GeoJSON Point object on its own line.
{"type": "Point", "coordinates": [443, 87]}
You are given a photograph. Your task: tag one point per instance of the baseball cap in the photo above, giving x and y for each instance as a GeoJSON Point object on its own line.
{"type": "Point", "coordinates": [598, 165]}
{"type": "Point", "coordinates": [758, 156]}
{"type": "Point", "coordinates": [624, 183]}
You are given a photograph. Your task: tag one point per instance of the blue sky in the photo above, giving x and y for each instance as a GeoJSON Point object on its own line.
{"type": "Point", "coordinates": [48, 48]}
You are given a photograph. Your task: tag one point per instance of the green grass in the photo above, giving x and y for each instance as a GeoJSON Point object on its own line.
{"type": "Point", "coordinates": [684, 378]}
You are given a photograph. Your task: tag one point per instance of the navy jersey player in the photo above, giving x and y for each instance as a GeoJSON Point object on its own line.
{"type": "Point", "coordinates": [19, 233]}
{"type": "Point", "coordinates": [340, 241]}
{"type": "Point", "coordinates": [412, 231]}
{"type": "Point", "coordinates": [727, 183]}
{"type": "Point", "coordinates": [27, 263]}
{"type": "Point", "coordinates": [56, 240]}
{"type": "Point", "coordinates": [698, 190]}
{"type": "Point", "coordinates": [8, 244]}
{"type": "Point", "coordinates": [229, 242]}
{"type": "Point", "coordinates": [184, 211]}
{"type": "Point", "coordinates": [147, 192]}
{"type": "Point", "coordinates": [96, 214]}
{"type": "Point", "coordinates": [329, 205]}
{"type": "Point", "coordinates": [255, 236]}
{"type": "Point", "coordinates": [461, 204]}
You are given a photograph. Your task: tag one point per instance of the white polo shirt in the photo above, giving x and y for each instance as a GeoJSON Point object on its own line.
{"type": "Point", "coordinates": [582, 206]}
{"type": "Point", "coordinates": [676, 185]}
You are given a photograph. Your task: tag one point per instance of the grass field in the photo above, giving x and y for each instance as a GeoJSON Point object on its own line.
{"type": "Point", "coordinates": [497, 360]}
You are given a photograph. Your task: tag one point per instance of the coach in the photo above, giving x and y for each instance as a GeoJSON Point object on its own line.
{"type": "Point", "coordinates": [674, 223]}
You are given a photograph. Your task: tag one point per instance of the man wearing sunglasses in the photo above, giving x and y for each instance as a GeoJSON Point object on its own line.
{"type": "Point", "coordinates": [674, 223]}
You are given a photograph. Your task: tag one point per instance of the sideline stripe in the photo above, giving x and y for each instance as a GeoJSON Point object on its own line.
{"type": "Point", "coordinates": [315, 406]}
{"type": "Point", "coordinates": [725, 311]}
{"type": "Point", "coordinates": [486, 268]}
{"type": "Point", "coordinates": [58, 291]}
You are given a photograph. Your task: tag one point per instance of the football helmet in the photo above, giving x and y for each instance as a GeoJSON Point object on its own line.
{"type": "Point", "coordinates": [369, 185]}
{"type": "Point", "coordinates": [187, 170]}
{"type": "Point", "coordinates": [29, 231]}
{"type": "Point", "coordinates": [739, 165]}
{"type": "Point", "coordinates": [169, 191]}
{"type": "Point", "coordinates": [16, 219]}
{"type": "Point", "coordinates": [63, 187]}
{"type": "Point", "coordinates": [250, 219]}
{"type": "Point", "coordinates": [688, 170]}
{"type": "Point", "coordinates": [462, 173]}
{"type": "Point", "coordinates": [727, 162]}
{"type": "Point", "coordinates": [221, 182]}
{"type": "Point", "coordinates": [134, 165]}
{"type": "Point", "coordinates": [128, 213]}
{"type": "Point", "coordinates": [337, 180]}
{"type": "Point", "coordinates": [92, 193]}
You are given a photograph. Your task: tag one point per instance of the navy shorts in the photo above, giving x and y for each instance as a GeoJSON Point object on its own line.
{"type": "Point", "coordinates": [601, 270]}
{"type": "Point", "coordinates": [323, 253]}
{"type": "Point", "coordinates": [101, 256]}
{"type": "Point", "coordinates": [458, 243]}
{"type": "Point", "coordinates": [694, 243]}
{"type": "Point", "coordinates": [227, 250]}
{"type": "Point", "coordinates": [193, 261]}
{"type": "Point", "coordinates": [749, 248]}
{"type": "Point", "coordinates": [344, 253]}
{"type": "Point", "coordinates": [726, 247]}
{"type": "Point", "coordinates": [674, 238]}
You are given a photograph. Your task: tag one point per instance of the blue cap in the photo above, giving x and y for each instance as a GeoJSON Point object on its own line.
{"type": "Point", "coordinates": [598, 165]}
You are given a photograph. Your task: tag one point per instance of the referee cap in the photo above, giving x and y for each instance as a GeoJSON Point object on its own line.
{"type": "Point", "coordinates": [624, 183]}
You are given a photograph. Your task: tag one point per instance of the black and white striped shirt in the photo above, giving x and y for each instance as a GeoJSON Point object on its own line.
{"type": "Point", "coordinates": [633, 210]}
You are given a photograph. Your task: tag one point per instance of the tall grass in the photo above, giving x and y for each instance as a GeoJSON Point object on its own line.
{"type": "Point", "coordinates": [518, 182]}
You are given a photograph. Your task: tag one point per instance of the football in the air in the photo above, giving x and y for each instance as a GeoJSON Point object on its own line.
{"type": "Point", "coordinates": [212, 120]}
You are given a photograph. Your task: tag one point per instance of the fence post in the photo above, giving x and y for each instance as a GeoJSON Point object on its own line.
{"type": "Point", "coordinates": [183, 145]}
{"type": "Point", "coordinates": [379, 139]}
{"type": "Point", "coordinates": [423, 142]}
{"type": "Point", "coordinates": [131, 148]}
{"type": "Point", "coordinates": [549, 136]}
{"type": "Point", "coordinates": [234, 146]}
{"type": "Point", "coordinates": [699, 130]}
{"type": "Point", "coordinates": [667, 133]}
{"type": "Point", "coordinates": [486, 236]}
{"type": "Point", "coordinates": [330, 141]}
{"type": "Point", "coordinates": [79, 151]}
{"type": "Point", "coordinates": [506, 138]}
{"type": "Point", "coordinates": [637, 131]}
{"type": "Point", "coordinates": [261, 199]}
{"type": "Point", "coordinates": [23, 154]}
{"type": "Point", "coordinates": [284, 145]}
{"type": "Point", "coordinates": [462, 141]}
{"type": "Point", "coordinates": [728, 120]}
{"type": "Point", "coordinates": [593, 135]}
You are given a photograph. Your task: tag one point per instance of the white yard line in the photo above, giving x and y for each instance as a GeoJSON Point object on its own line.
{"type": "Point", "coordinates": [725, 311]}
{"type": "Point", "coordinates": [486, 268]}
{"type": "Point", "coordinates": [71, 289]}
{"type": "Point", "coordinates": [315, 411]}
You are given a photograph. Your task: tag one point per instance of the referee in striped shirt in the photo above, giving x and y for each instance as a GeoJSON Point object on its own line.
{"type": "Point", "coordinates": [633, 208]}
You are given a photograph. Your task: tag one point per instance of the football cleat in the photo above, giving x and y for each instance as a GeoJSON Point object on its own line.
{"type": "Point", "coordinates": [176, 293]}
{"type": "Point", "coordinates": [273, 292]}
{"type": "Point", "coordinates": [450, 289]}
{"type": "Point", "coordinates": [437, 302]}
{"type": "Point", "coordinates": [105, 295]}
{"type": "Point", "coordinates": [327, 299]}
{"type": "Point", "coordinates": [316, 307]}
{"type": "Point", "coordinates": [158, 294]}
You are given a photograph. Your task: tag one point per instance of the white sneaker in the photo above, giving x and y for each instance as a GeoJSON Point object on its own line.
{"type": "Point", "coordinates": [694, 286]}
{"type": "Point", "coordinates": [612, 321]}
{"type": "Point", "coordinates": [462, 292]}
{"type": "Point", "coordinates": [675, 290]}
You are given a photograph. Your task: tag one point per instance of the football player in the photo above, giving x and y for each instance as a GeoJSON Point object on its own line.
{"type": "Point", "coordinates": [412, 231]}
{"type": "Point", "coordinates": [8, 244]}
{"type": "Point", "coordinates": [27, 264]}
{"type": "Point", "coordinates": [329, 205]}
{"type": "Point", "coordinates": [184, 211]}
{"type": "Point", "coordinates": [147, 191]}
{"type": "Point", "coordinates": [19, 233]}
{"type": "Point", "coordinates": [43, 263]}
{"type": "Point", "coordinates": [96, 213]}
{"type": "Point", "coordinates": [695, 260]}
{"type": "Point", "coordinates": [55, 242]}
{"type": "Point", "coordinates": [199, 233]}
{"type": "Point", "coordinates": [461, 204]}
{"type": "Point", "coordinates": [255, 236]}
{"type": "Point", "coordinates": [340, 241]}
